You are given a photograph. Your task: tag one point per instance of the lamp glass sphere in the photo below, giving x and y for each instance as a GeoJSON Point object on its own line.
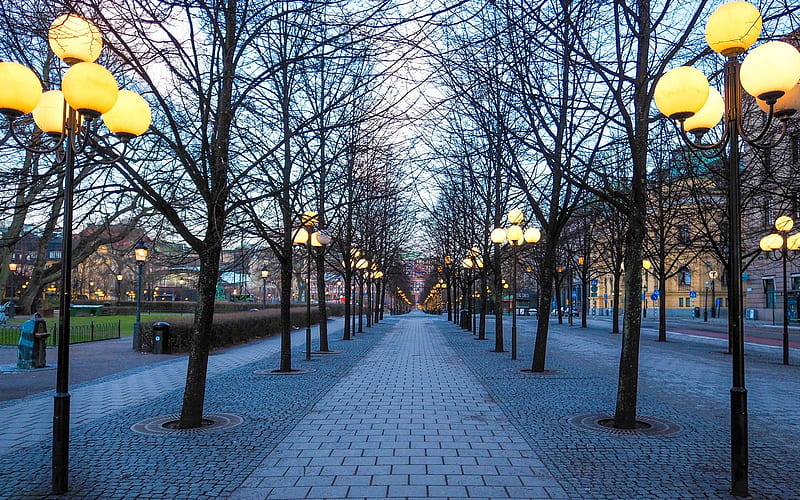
{"type": "Point", "coordinates": [73, 39]}
{"type": "Point", "coordinates": [793, 242]}
{"type": "Point", "coordinates": [532, 235]}
{"type": "Point", "coordinates": [770, 70]}
{"type": "Point", "coordinates": [309, 218]}
{"type": "Point", "coordinates": [498, 235]}
{"type": "Point", "coordinates": [130, 117]}
{"type": "Point", "coordinates": [708, 116]}
{"type": "Point", "coordinates": [786, 105]}
{"type": "Point", "coordinates": [515, 216]}
{"type": "Point", "coordinates": [733, 28]}
{"type": "Point", "coordinates": [50, 113]}
{"type": "Point", "coordinates": [90, 89]}
{"type": "Point", "coordinates": [784, 223]}
{"type": "Point", "coordinates": [300, 236]}
{"type": "Point", "coordinates": [681, 92]}
{"type": "Point", "coordinates": [771, 242]}
{"type": "Point", "coordinates": [20, 89]}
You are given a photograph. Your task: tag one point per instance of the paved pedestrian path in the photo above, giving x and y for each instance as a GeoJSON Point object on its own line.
{"type": "Point", "coordinates": [410, 422]}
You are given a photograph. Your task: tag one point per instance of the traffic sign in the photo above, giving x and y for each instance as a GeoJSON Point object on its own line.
{"type": "Point", "coordinates": [654, 297]}
{"type": "Point", "coordinates": [693, 294]}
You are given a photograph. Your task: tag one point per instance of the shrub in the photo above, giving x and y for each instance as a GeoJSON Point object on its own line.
{"type": "Point", "coordinates": [232, 328]}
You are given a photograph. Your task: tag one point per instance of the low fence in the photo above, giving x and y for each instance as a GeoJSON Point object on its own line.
{"type": "Point", "coordinates": [9, 335]}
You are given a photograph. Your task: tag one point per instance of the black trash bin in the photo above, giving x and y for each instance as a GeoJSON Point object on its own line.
{"type": "Point", "coordinates": [696, 312]}
{"type": "Point", "coordinates": [160, 337]}
{"type": "Point", "coordinates": [464, 319]}
{"type": "Point", "coordinates": [40, 335]}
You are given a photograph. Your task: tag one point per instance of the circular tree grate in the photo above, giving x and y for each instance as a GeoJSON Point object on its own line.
{"type": "Point", "coordinates": [645, 426]}
{"type": "Point", "coordinates": [168, 424]}
{"type": "Point", "coordinates": [295, 371]}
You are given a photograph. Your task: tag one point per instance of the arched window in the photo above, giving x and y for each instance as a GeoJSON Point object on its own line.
{"type": "Point", "coordinates": [684, 277]}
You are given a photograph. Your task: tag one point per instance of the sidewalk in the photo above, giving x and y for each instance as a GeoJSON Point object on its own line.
{"type": "Point", "coordinates": [417, 408]}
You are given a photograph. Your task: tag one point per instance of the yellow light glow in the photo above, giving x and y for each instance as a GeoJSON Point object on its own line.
{"type": "Point", "coordinates": [681, 92]}
{"type": "Point", "coordinates": [498, 235]}
{"type": "Point", "coordinates": [793, 242]}
{"type": "Point", "coordinates": [784, 223]}
{"type": "Point", "coordinates": [771, 242]}
{"type": "Point", "coordinates": [20, 89]}
{"type": "Point", "coordinates": [300, 236]}
{"type": "Point", "coordinates": [708, 116]}
{"type": "Point", "coordinates": [733, 28]}
{"type": "Point", "coordinates": [49, 114]}
{"type": "Point", "coordinates": [130, 117]}
{"type": "Point", "coordinates": [514, 235]}
{"type": "Point", "coordinates": [90, 89]}
{"type": "Point", "coordinates": [515, 216]}
{"type": "Point", "coordinates": [309, 218]}
{"type": "Point", "coordinates": [74, 39]}
{"type": "Point", "coordinates": [786, 106]}
{"type": "Point", "coordinates": [646, 264]}
{"type": "Point", "coordinates": [770, 70]}
{"type": "Point", "coordinates": [532, 235]}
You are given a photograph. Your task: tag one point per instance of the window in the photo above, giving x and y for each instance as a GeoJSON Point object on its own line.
{"type": "Point", "coordinates": [683, 234]}
{"type": "Point", "coordinates": [767, 209]}
{"type": "Point", "coordinates": [680, 302]}
{"type": "Point", "coordinates": [684, 277]}
{"type": "Point", "coordinates": [769, 291]}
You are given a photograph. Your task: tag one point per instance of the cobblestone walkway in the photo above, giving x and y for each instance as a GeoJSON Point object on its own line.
{"type": "Point", "coordinates": [410, 421]}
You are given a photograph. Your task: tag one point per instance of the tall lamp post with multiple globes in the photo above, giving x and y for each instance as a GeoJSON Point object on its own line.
{"type": "Point", "coordinates": [305, 235]}
{"type": "Point", "coordinates": [770, 73]}
{"type": "Point", "coordinates": [68, 118]}
{"type": "Point", "coordinates": [515, 237]}
{"type": "Point", "coordinates": [781, 241]}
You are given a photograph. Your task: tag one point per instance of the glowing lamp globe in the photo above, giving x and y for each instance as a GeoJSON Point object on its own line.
{"type": "Point", "coordinates": [770, 70]}
{"type": "Point", "coordinates": [309, 218]}
{"type": "Point", "coordinates": [514, 235]}
{"type": "Point", "coordinates": [771, 242]}
{"type": "Point", "coordinates": [532, 235]}
{"type": "Point", "coordinates": [646, 264]}
{"type": "Point", "coordinates": [49, 115]}
{"type": "Point", "coordinates": [793, 242]}
{"type": "Point", "coordinates": [784, 223]}
{"type": "Point", "coordinates": [708, 116]}
{"type": "Point", "coordinates": [681, 92]}
{"type": "Point", "coordinates": [733, 28]}
{"type": "Point", "coordinates": [320, 238]}
{"type": "Point", "coordinates": [90, 89]}
{"type": "Point", "coordinates": [786, 106]}
{"type": "Point", "coordinates": [515, 216]}
{"type": "Point", "coordinates": [498, 235]}
{"type": "Point", "coordinates": [300, 236]}
{"type": "Point", "coordinates": [74, 39]}
{"type": "Point", "coordinates": [130, 117]}
{"type": "Point", "coordinates": [20, 89]}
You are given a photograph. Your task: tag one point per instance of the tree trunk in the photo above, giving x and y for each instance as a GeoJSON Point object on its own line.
{"type": "Point", "coordinates": [545, 297]}
{"type": "Point", "coordinates": [195, 390]}
{"type": "Point", "coordinates": [322, 302]}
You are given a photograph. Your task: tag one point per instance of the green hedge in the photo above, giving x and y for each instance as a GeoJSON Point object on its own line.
{"type": "Point", "coordinates": [232, 328]}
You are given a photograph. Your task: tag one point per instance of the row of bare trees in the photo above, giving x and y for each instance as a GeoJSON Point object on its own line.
{"type": "Point", "coordinates": [547, 107]}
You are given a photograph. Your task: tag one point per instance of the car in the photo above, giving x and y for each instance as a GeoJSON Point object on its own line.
{"type": "Point", "coordinates": [533, 312]}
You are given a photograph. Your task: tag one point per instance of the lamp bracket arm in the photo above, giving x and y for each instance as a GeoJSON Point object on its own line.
{"type": "Point", "coordinates": [35, 138]}
{"type": "Point", "coordinates": [716, 147]}
{"type": "Point", "coordinates": [102, 151]}
{"type": "Point", "coordinates": [758, 141]}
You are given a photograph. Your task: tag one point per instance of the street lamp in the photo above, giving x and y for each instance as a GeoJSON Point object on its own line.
{"type": "Point", "coordinates": [712, 275]}
{"type": "Point", "coordinates": [140, 254]}
{"type": "Point", "coordinates": [264, 276]}
{"type": "Point", "coordinates": [783, 242]}
{"type": "Point", "coordinates": [515, 236]}
{"type": "Point", "coordinates": [12, 267]}
{"type": "Point", "coordinates": [305, 236]}
{"type": "Point", "coordinates": [646, 265]}
{"type": "Point", "coordinates": [119, 288]}
{"type": "Point", "coordinates": [69, 118]}
{"type": "Point", "coordinates": [770, 74]}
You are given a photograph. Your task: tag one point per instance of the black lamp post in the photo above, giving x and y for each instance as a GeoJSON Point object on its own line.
{"type": "Point", "coordinates": [781, 241]}
{"type": "Point", "coordinates": [12, 268]}
{"type": "Point", "coordinates": [306, 236]}
{"type": "Point", "coordinates": [515, 236]}
{"type": "Point", "coordinates": [140, 254]}
{"type": "Point", "coordinates": [712, 275]}
{"type": "Point", "coordinates": [770, 73]}
{"type": "Point", "coordinates": [119, 289]}
{"type": "Point", "coordinates": [70, 118]}
{"type": "Point", "coordinates": [264, 276]}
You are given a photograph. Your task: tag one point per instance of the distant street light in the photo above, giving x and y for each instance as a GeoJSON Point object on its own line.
{"type": "Point", "coordinates": [119, 288]}
{"type": "Point", "coordinates": [12, 267]}
{"type": "Point", "coordinates": [140, 254]}
{"type": "Point", "coordinates": [264, 276]}
{"type": "Point", "coordinates": [515, 237]}
{"type": "Point", "coordinates": [782, 242]}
